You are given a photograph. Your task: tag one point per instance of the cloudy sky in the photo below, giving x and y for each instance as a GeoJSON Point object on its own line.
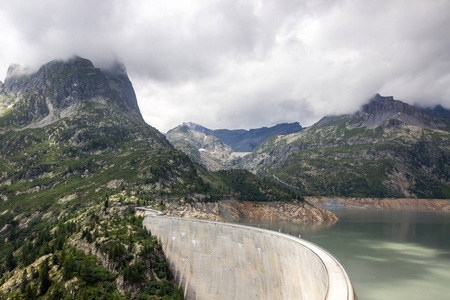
{"type": "Point", "coordinates": [244, 63]}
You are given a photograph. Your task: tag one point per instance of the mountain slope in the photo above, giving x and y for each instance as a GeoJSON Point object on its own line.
{"type": "Point", "coordinates": [76, 157]}
{"type": "Point", "coordinates": [214, 149]}
{"type": "Point", "coordinates": [70, 122]}
{"type": "Point", "coordinates": [387, 149]}
{"type": "Point", "coordinates": [206, 150]}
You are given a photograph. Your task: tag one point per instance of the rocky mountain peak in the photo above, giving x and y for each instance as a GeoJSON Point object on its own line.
{"type": "Point", "coordinates": [387, 111]}
{"type": "Point", "coordinates": [59, 87]}
{"type": "Point", "coordinates": [379, 104]}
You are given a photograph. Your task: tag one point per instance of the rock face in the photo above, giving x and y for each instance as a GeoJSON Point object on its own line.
{"type": "Point", "coordinates": [232, 210]}
{"type": "Point", "coordinates": [387, 149]}
{"type": "Point", "coordinates": [36, 96]}
{"type": "Point", "coordinates": [386, 111]}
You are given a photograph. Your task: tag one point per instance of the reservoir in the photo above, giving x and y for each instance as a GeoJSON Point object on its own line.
{"type": "Point", "coordinates": [389, 254]}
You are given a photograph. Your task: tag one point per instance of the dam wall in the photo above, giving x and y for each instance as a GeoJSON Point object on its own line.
{"type": "Point", "coordinates": [213, 260]}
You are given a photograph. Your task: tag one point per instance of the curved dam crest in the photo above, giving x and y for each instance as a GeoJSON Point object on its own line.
{"type": "Point", "coordinates": [213, 260]}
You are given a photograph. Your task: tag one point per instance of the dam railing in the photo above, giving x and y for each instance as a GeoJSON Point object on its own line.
{"type": "Point", "coordinates": [214, 260]}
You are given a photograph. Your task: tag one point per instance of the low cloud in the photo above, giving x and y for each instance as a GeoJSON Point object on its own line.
{"type": "Point", "coordinates": [245, 64]}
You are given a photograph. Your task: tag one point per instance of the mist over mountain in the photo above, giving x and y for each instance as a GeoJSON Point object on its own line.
{"type": "Point", "coordinates": [386, 149]}
{"type": "Point", "coordinates": [242, 140]}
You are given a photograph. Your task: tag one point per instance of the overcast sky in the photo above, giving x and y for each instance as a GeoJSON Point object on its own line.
{"type": "Point", "coordinates": [244, 63]}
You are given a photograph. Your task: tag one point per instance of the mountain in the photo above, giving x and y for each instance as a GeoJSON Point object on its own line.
{"type": "Point", "coordinates": [386, 149]}
{"type": "Point", "coordinates": [71, 121]}
{"type": "Point", "coordinates": [214, 149]}
{"type": "Point", "coordinates": [35, 97]}
{"type": "Point", "coordinates": [242, 140]}
{"type": "Point", "coordinates": [385, 109]}
{"type": "Point", "coordinates": [76, 158]}
{"type": "Point", "coordinates": [206, 150]}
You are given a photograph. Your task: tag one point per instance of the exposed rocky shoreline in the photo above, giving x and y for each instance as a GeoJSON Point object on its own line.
{"type": "Point", "coordinates": [233, 210]}
{"type": "Point", "coordinates": [381, 203]}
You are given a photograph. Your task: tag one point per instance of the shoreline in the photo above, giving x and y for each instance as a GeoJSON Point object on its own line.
{"type": "Point", "coordinates": [234, 210]}
{"type": "Point", "coordinates": [380, 203]}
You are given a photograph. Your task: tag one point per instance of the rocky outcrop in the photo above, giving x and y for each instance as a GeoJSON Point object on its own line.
{"type": "Point", "coordinates": [232, 210]}
{"type": "Point", "coordinates": [58, 88]}
{"type": "Point", "coordinates": [382, 109]}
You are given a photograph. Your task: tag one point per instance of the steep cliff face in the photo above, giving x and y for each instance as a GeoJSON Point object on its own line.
{"type": "Point", "coordinates": [58, 88]}
{"type": "Point", "coordinates": [387, 149]}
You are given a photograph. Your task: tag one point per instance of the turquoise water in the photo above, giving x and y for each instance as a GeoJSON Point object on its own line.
{"type": "Point", "coordinates": [388, 254]}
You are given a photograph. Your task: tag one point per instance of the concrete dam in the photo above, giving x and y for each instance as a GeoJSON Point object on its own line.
{"type": "Point", "coordinates": [213, 260]}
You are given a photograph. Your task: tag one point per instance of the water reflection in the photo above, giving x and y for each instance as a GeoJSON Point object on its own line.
{"type": "Point", "coordinates": [388, 254]}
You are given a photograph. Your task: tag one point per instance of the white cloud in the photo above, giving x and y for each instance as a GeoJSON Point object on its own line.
{"type": "Point", "coordinates": [240, 63]}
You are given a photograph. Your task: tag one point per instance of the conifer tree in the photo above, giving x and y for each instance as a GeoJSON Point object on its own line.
{"type": "Point", "coordinates": [44, 278]}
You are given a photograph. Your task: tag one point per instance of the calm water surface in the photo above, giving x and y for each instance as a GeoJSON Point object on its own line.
{"type": "Point", "coordinates": [389, 254]}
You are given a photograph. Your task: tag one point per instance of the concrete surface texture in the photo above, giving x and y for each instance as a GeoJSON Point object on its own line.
{"type": "Point", "coordinates": [214, 260]}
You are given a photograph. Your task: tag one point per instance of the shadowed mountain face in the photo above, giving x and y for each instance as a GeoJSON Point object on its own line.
{"type": "Point", "coordinates": [387, 149]}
